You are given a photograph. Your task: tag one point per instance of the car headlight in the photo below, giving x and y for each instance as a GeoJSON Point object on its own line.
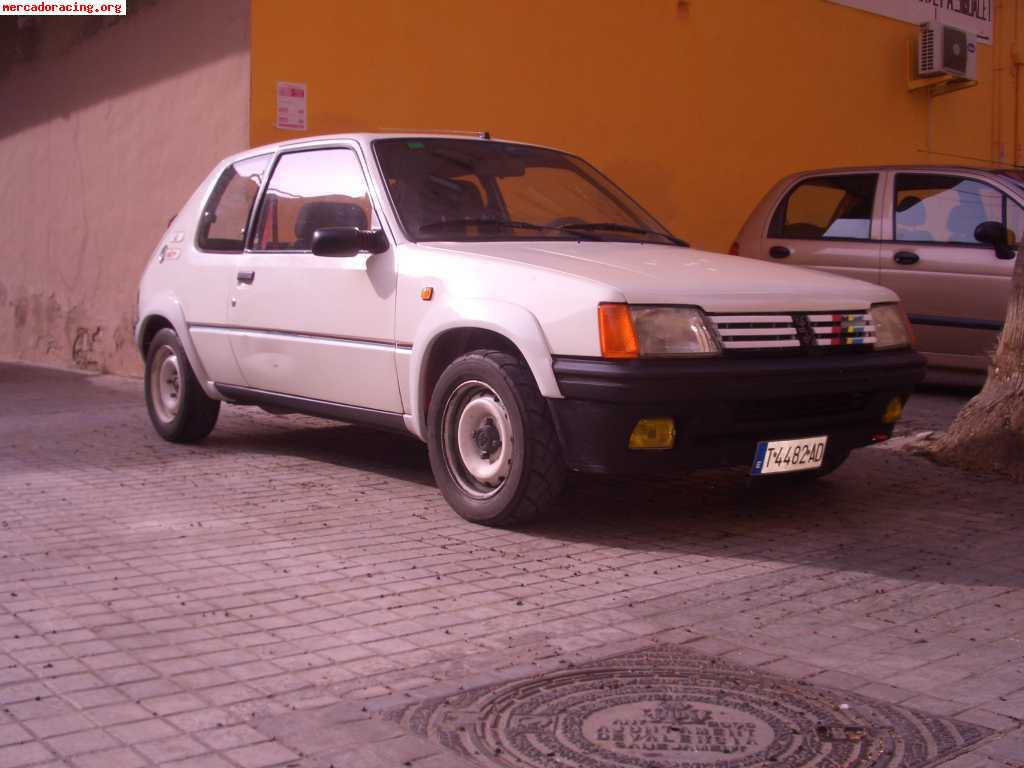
{"type": "Point", "coordinates": [629, 331]}
{"type": "Point", "coordinates": [892, 329]}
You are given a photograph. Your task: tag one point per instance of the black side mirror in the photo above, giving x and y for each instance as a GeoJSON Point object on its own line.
{"type": "Point", "coordinates": [343, 242]}
{"type": "Point", "coordinates": [998, 236]}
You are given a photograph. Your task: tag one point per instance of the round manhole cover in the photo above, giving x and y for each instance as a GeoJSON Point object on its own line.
{"type": "Point", "coordinates": [667, 708]}
{"type": "Point", "coordinates": [697, 731]}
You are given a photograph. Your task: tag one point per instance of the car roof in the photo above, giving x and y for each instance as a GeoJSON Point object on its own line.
{"type": "Point", "coordinates": [366, 137]}
{"type": "Point", "coordinates": [926, 167]}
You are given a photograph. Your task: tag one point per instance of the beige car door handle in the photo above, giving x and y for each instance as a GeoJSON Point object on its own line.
{"type": "Point", "coordinates": [906, 257]}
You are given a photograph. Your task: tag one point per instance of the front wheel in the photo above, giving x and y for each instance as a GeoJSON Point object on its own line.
{"type": "Point", "coordinates": [179, 409]}
{"type": "Point", "coordinates": [493, 447]}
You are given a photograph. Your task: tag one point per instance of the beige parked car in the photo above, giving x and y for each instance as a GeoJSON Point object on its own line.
{"type": "Point", "coordinates": [943, 237]}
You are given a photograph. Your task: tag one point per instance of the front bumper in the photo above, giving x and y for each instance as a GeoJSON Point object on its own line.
{"type": "Point", "coordinates": [724, 407]}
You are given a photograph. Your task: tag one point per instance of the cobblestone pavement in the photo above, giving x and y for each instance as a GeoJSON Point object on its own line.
{"type": "Point", "coordinates": [257, 600]}
{"type": "Point", "coordinates": [933, 408]}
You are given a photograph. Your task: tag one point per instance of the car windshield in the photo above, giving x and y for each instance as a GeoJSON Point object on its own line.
{"type": "Point", "coordinates": [472, 190]}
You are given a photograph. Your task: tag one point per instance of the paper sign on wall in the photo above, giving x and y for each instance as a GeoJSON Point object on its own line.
{"type": "Point", "coordinates": [973, 15]}
{"type": "Point", "coordinates": [291, 106]}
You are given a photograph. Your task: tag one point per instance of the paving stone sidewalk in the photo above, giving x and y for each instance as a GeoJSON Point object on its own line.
{"type": "Point", "coordinates": [261, 599]}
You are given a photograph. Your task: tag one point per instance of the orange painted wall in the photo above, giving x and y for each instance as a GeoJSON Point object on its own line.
{"type": "Point", "coordinates": [696, 107]}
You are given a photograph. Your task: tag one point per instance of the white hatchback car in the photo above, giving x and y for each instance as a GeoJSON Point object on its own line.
{"type": "Point", "coordinates": [513, 308]}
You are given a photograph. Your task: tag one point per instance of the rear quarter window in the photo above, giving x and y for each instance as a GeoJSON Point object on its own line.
{"type": "Point", "coordinates": [827, 208]}
{"type": "Point", "coordinates": [226, 213]}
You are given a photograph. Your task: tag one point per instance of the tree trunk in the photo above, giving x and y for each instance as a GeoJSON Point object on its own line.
{"type": "Point", "coordinates": [988, 434]}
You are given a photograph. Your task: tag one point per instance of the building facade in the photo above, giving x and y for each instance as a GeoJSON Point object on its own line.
{"type": "Point", "coordinates": [696, 107]}
{"type": "Point", "coordinates": [102, 138]}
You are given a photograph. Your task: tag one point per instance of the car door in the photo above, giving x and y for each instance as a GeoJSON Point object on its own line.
{"type": "Point", "coordinates": [212, 259]}
{"type": "Point", "coordinates": [954, 288]}
{"type": "Point", "coordinates": [312, 326]}
{"type": "Point", "coordinates": [1015, 220]}
{"type": "Point", "coordinates": [828, 222]}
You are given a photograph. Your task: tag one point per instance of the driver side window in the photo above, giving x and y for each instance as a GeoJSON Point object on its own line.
{"type": "Point", "coordinates": [309, 190]}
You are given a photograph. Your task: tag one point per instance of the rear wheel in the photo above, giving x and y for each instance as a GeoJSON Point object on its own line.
{"type": "Point", "coordinates": [179, 409]}
{"type": "Point", "coordinates": [493, 447]}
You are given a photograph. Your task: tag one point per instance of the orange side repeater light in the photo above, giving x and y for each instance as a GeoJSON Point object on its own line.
{"type": "Point", "coordinates": [618, 336]}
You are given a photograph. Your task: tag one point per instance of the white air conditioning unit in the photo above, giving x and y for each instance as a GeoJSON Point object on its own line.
{"type": "Point", "coordinates": [945, 50]}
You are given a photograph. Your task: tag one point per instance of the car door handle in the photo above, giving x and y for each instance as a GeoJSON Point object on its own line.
{"type": "Point", "coordinates": [779, 252]}
{"type": "Point", "coordinates": [906, 257]}
{"type": "Point", "coordinates": [246, 276]}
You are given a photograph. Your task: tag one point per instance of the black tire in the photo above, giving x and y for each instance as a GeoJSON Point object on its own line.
{"type": "Point", "coordinates": [529, 469]}
{"type": "Point", "coordinates": [180, 413]}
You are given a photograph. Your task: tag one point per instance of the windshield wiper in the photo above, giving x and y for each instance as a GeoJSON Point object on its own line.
{"type": "Point", "coordinates": [503, 223]}
{"type": "Point", "coordinates": [614, 227]}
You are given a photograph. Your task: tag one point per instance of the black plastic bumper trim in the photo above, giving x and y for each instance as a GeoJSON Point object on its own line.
{"type": "Point", "coordinates": [311, 407]}
{"type": "Point", "coordinates": [637, 381]}
{"type": "Point", "coordinates": [724, 407]}
{"type": "Point", "coordinates": [956, 322]}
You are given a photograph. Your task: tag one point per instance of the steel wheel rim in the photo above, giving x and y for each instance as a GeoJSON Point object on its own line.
{"type": "Point", "coordinates": [165, 384]}
{"type": "Point", "coordinates": [477, 439]}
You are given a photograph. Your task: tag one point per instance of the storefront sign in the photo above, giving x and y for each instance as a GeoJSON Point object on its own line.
{"type": "Point", "coordinates": [291, 106]}
{"type": "Point", "coordinates": [973, 15]}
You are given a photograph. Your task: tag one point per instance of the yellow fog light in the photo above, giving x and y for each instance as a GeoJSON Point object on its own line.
{"type": "Point", "coordinates": [893, 411]}
{"type": "Point", "coordinates": [653, 435]}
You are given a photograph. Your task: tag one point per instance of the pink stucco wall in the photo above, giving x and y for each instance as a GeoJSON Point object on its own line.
{"type": "Point", "coordinates": [99, 146]}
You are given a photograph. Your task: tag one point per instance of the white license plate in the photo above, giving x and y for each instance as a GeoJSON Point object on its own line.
{"type": "Point", "coordinates": [775, 456]}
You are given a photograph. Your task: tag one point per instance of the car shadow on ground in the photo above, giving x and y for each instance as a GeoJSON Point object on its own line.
{"type": "Point", "coordinates": [401, 457]}
{"type": "Point", "coordinates": [884, 512]}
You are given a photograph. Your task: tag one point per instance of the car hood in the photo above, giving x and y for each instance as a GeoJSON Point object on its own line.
{"type": "Point", "coordinates": [645, 273]}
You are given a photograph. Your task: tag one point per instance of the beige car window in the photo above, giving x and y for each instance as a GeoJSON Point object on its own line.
{"type": "Point", "coordinates": [943, 209]}
{"type": "Point", "coordinates": [309, 190]}
{"type": "Point", "coordinates": [827, 207]}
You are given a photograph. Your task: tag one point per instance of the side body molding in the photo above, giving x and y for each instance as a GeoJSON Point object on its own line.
{"type": "Point", "coordinates": [166, 304]}
{"type": "Point", "coordinates": [512, 321]}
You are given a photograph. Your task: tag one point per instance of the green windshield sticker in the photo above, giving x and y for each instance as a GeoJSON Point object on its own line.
{"type": "Point", "coordinates": [415, 145]}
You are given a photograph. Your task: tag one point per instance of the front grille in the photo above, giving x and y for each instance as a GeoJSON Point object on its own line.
{"type": "Point", "coordinates": [794, 334]}
{"type": "Point", "coordinates": [839, 329]}
{"type": "Point", "coordinates": [756, 331]}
